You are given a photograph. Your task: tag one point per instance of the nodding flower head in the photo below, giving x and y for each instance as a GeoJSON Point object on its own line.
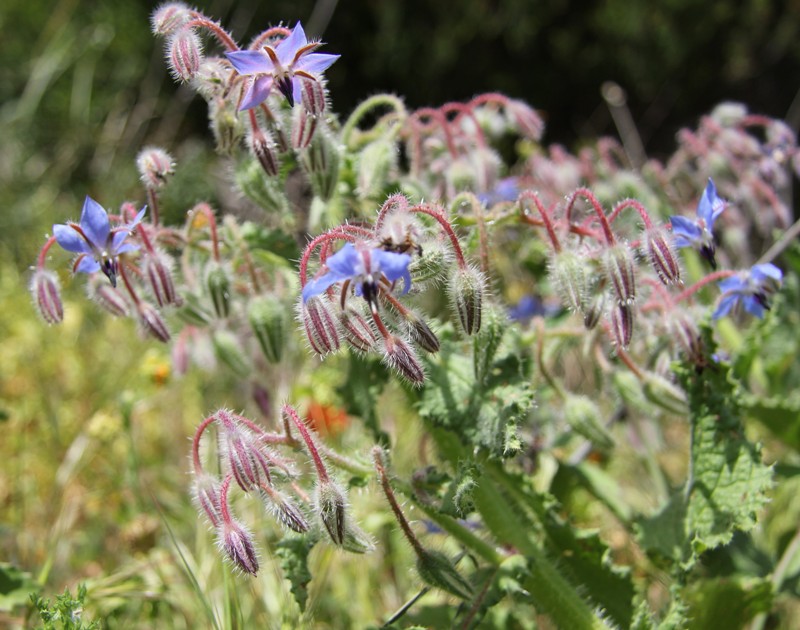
{"type": "Point", "coordinates": [698, 233]}
{"type": "Point", "coordinates": [96, 242]}
{"type": "Point", "coordinates": [365, 267]}
{"type": "Point", "coordinates": [751, 288]}
{"type": "Point", "coordinates": [284, 65]}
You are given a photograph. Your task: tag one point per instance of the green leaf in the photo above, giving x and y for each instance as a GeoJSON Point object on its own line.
{"type": "Point", "coordinates": [726, 603]}
{"type": "Point", "coordinates": [15, 586]}
{"type": "Point", "coordinates": [779, 414]}
{"type": "Point", "coordinates": [293, 550]}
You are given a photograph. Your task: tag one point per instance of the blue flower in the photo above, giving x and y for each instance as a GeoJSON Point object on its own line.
{"type": "Point", "coordinates": [97, 243]}
{"type": "Point", "coordinates": [530, 306]}
{"type": "Point", "coordinates": [364, 267]}
{"type": "Point", "coordinates": [506, 189]}
{"type": "Point", "coordinates": [751, 289]}
{"type": "Point", "coordinates": [282, 65]}
{"type": "Point", "coordinates": [699, 233]}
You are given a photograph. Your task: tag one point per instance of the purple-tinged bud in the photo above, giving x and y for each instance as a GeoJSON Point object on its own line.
{"type": "Point", "coordinates": [525, 120]}
{"type": "Point", "coordinates": [402, 358]}
{"type": "Point", "coordinates": [303, 127]}
{"type": "Point", "coordinates": [331, 507]}
{"type": "Point", "coordinates": [661, 253]}
{"type": "Point", "coordinates": [237, 543]}
{"type": "Point", "coordinates": [357, 330]}
{"type": "Point", "coordinates": [169, 17]}
{"type": "Point", "coordinates": [594, 310]}
{"type": "Point", "coordinates": [228, 350]}
{"type": "Point", "coordinates": [436, 569]}
{"type": "Point", "coordinates": [466, 290]}
{"type": "Point", "coordinates": [206, 496]}
{"type": "Point", "coordinates": [422, 335]}
{"type": "Point", "coordinates": [286, 512]}
{"type": "Point", "coordinates": [218, 285]}
{"type": "Point", "coordinates": [184, 53]}
{"type": "Point", "coordinates": [622, 324]}
{"type": "Point", "coordinates": [262, 146]}
{"type": "Point", "coordinates": [109, 298]}
{"type": "Point", "coordinates": [151, 322]}
{"type": "Point", "coordinates": [319, 324]}
{"type": "Point", "coordinates": [687, 335]}
{"type": "Point", "coordinates": [180, 354]}
{"type": "Point", "coordinates": [242, 451]}
{"type": "Point", "coordinates": [312, 94]}
{"type": "Point", "coordinates": [155, 166]}
{"type": "Point", "coordinates": [268, 321]}
{"type": "Point", "coordinates": [158, 273]}
{"type": "Point", "coordinates": [570, 280]}
{"type": "Point", "coordinates": [621, 272]}
{"type": "Point", "coordinates": [46, 295]}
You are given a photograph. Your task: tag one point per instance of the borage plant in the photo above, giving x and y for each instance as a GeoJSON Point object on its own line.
{"type": "Point", "coordinates": [552, 324]}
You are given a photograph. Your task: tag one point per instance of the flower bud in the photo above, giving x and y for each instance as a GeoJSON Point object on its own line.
{"type": "Point", "coordinates": [312, 95]}
{"type": "Point", "coordinates": [466, 295]}
{"type": "Point", "coordinates": [267, 192]}
{"type": "Point", "coordinates": [155, 165]}
{"type": "Point", "coordinates": [401, 357]}
{"type": "Point", "coordinates": [286, 512]}
{"type": "Point", "coordinates": [661, 253]}
{"type": "Point", "coordinates": [431, 265]}
{"type": "Point", "coordinates": [583, 416]}
{"type": "Point", "coordinates": [320, 161]}
{"type": "Point", "coordinates": [151, 322]}
{"type": "Point", "coordinates": [228, 350]}
{"type": "Point", "coordinates": [319, 324]}
{"type": "Point", "coordinates": [621, 273]}
{"type": "Point", "coordinates": [184, 53]}
{"type": "Point", "coordinates": [687, 335]}
{"type": "Point", "coordinates": [594, 309]}
{"type": "Point", "coordinates": [303, 127]}
{"type": "Point", "coordinates": [436, 569]}
{"type": "Point", "coordinates": [158, 273]}
{"type": "Point", "coordinates": [46, 295]}
{"type": "Point", "coordinates": [524, 119]}
{"type": "Point", "coordinates": [241, 450]}
{"type": "Point", "coordinates": [357, 330]}
{"type": "Point", "coordinates": [205, 493]}
{"type": "Point", "coordinates": [169, 17]}
{"type": "Point", "coordinates": [569, 278]}
{"type": "Point", "coordinates": [226, 125]}
{"type": "Point", "coordinates": [356, 540]}
{"type": "Point", "coordinates": [193, 312]}
{"type": "Point", "coordinates": [376, 163]}
{"type": "Point", "coordinates": [262, 146]}
{"type": "Point", "coordinates": [622, 324]}
{"type": "Point", "coordinates": [218, 285]}
{"type": "Point", "coordinates": [237, 543]}
{"type": "Point", "coordinates": [422, 335]}
{"type": "Point", "coordinates": [266, 316]}
{"type": "Point", "coordinates": [663, 393]}
{"type": "Point", "coordinates": [331, 507]}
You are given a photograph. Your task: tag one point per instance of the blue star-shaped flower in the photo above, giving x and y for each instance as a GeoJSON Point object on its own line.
{"type": "Point", "coordinates": [750, 288]}
{"type": "Point", "coordinates": [97, 243]}
{"type": "Point", "coordinates": [364, 267]}
{"type": "Point", "coordinates": [698, 233]}
{"type": "Point", "coordinates": [282, 65]}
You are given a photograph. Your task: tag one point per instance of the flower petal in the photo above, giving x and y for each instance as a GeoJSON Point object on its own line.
{"type": "Point", "coordinates": [250, 62]}
{"type": "Point", "coordinates": [725, 305]}
{"type": "Point", "coordinates": [347, 262]}
{"type": "Point", "coordinates": [94, 222]}
{"type": "Point", "coordinates": [753, 306]}
{"type": "Point", "coordinates": [287, 49]}
{"type": "Point", "coordinates": [314, 63]}
{"type": "Point", "coordinates": [685, 231]}
{"type": "Point", "coordinates": [394, 266]}
{"type": "Point", "coordinates": [87, 264]}
{"type": "Point", "coordinates": [257, 93]}
{"type": "Point", "coordinates": [710, 206]}
{"type": "Point", "coordinates": [766, 270]}
{"type": "Point", "coordinates": [70, 239]}
{"type": "Point", "coordinates": [317, 286]}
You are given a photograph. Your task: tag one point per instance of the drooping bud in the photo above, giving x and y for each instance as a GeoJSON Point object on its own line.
{"type": "Point", "coordinates": [357, 330]}
{"type": "Point", "coordinates": [169, 17]}
{"type": "Point", "coordinates": [319, 324]}
{"type": "Point", "coordinates": [155, 166]}
{"type": "Point", "coordinates": [194, 312]}
{"type": "Point", "coordinates": [569, 278]}
{"type": "Point", "coordinates": [184, 53]}
{"type": "Point", "coordinates": [421, 334]}
{"type": "Point", "coordinates": [303, 127]}
{"type": "Point", "coordinates": [228, 350]}
{"type": "Point", "coordinates": [661, 253]}
{"type": "Point", "coordinates": [402, 358]}
{"type": "Point", "coordinates": [622, 324]}
{"type": "Point", "coordinates": [620, 270]}
{"type": "Point", "coordinates": [466, 290]}
{"type": "Point", "coordinates": [237, 543]}
{"type": "Point", "coordinates": [205, 493]}
{"type": "Point", "coordinates": [46, 295]}
{"type": "Point", "coordinates": [687, 335]}
{"type": "Point", "coordinates": [240, 448]}
{"type": "Point", "coordinates": [312, 94]}
{"type": "Point", "coordinates": [436, 569]}
{"type": "Point", "coordinates": [151, 322]}
{"type": "Point", "coordinates": [431, 265]}
{"type": "Point", "coordinates": [157, 271]}
{"type": "Point", "coordinates": [108, 297]}
{"type": "Point", "coordinates": [218, 284]}
{"type": "Point", "coordinates": [286, 512]}
{"type": "Point", "coordinates": [583, 416]}
{"type": "Point", "coordinates": [268, 321]}
{"type": "Point", "coordinates": [524, 119]}
{"type": "Point", "coordinates": [660, 391]}
{"type": "Point", "coordinates": [263, 148]}
{"type": "Point", "coordinates": [331, 507]}
{"type": "Point", "coordinates": [226, 125]}
{"type": "Point", "coordinates": [594, 310]}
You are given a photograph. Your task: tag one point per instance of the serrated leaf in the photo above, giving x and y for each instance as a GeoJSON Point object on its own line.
{"type": "Point", "coordinates": [293, 550]}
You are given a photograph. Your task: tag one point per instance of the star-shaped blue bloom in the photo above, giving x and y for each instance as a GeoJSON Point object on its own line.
{"type": "Point", "coordinates": [282, 65]}
{"type": "Point", "coordinates": [97, 244]}
{"type": "Point", "coordinates": [751, 289]}
{"type": "Point", "coordinates": [363, 266]}
{"type": "Point", "coordinates": [698, 233]}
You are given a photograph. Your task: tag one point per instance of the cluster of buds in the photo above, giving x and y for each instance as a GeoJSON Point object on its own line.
{"type": "Point", "coordinates": [377, 263]}
{"type": "Point", "coordinates": [252, 461]}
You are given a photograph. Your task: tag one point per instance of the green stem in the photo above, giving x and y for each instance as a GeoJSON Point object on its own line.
{"type": "Point", "coordinates": [379, 100]}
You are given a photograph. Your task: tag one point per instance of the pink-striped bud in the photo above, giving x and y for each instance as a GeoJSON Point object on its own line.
{"type": "Point", "coordinates": [169, 17]}
{"type": "Point", "coordinates": [401, 357]}
{"type": "Point", "coordinates": [108, 297]}
{"type": "Point", "coordinates": [357, 330]}
{"type": "Point", "coordinates": [158, 273]}
{"type": "Point", "coordinates": [155, 165]}
{"type": "Point", "coordinates": [661, 253]}
{"type": "Point", "coordinates": [622, 324]}
{"type": "Point", "coordinates": [422, 335]}
{"type": "Point", "coordinates": [594, 310]}
{"type": "Point", "coordinates": [242, 451]}
{"type": "Point", "coordinates": [152, 323]}
{"type": "Point", "coordinates": [620, 270]}
{"type": "Point", "coordinates": [303, 127]}
{"type": "Point", "coordinates": [312, 94]}
{"type": "Point", "coordinates": [205, 493]}
{"type": "Point", "coordinates": [46, 295]}
{"type": "Point", "coordinates": [286, 511]}
{"type": "Point", "coordinates": [262, 146]}
{"type": "Point", "coordinates": [184, 54]}
{"type": "Point", "coordinates": [237, 543]}
{"type": "Point", "coordinates": [319, 324]}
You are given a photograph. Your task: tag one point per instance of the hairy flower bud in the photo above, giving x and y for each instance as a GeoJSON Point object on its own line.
{"type": "Point", "coordinates": [622, 324]}
{"type": "Point", "coordinates": [569, 278]}
{"type": "Point", "coordinates": [169, 17]}
{"type": "Point", "coordinates": [268, 321]}
{"type": "Point", "coordinates": [206, 496]}
{"type": "Point", "coordinates": [263, 149]}
{"type": "Point", "coordinates": [594, 309]}
{"type": "Point", "coordinates": [583, 416]}
{"type": "Point", "coordinates": [242, 451]}
{"type": "Point", "coordinates": [226, 125]}
{"type": "Point", "coordinates": [312, 94]}
{"type": "Point", "coordinates": [46, 295]}
{"type": "Point", "coordinates": [660, 391]}
{"type": "Point", "coordinates": [303, 127]}
{"type": "Point", "coordinates": [319, 324]}
{"type": "Point", "coordinates": [228, 350]}
{"type": "Point", "coordinates": [687, 335]}
{"type": "Point", "coordinates": [466, 290]}
{"type": "Point", "coordinates": [155, 166]}
{"type": "Point", "coordinates": [401, 357]}
{"type": "Point", "coordinates": [108, 297]}
{"type": "Point", "coordinates": [184, 53]}
{"type": "Point", "coordinates": [158, 273]}
{"type": "Point", "coordinates": [661, 253]}
{"type": "Point", "coordinates": [357, 330]}
{"type": "Point", "coordinates": [331, 507]}
{"type": "Point", "coordinates": [431, 265]}
{"type": "Point", "coordinates": [376, 163]}
{"type": "Point", "coordinates": [620, 270]}
{"type": "Point", "coordinates": [218, 285]}
{"type": "Point", "coordinates": [524, 119]}
{"type": "Point", "coordinates": [237, 543]}
{"type": "Point", "coordinates": [151, 322]}
{"type": "Point", "coordinates": [436, 569]}
{"type": "Point", "coordinates": [422, 335]}
{"type": "Point", "coordinates": [286, 512]}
